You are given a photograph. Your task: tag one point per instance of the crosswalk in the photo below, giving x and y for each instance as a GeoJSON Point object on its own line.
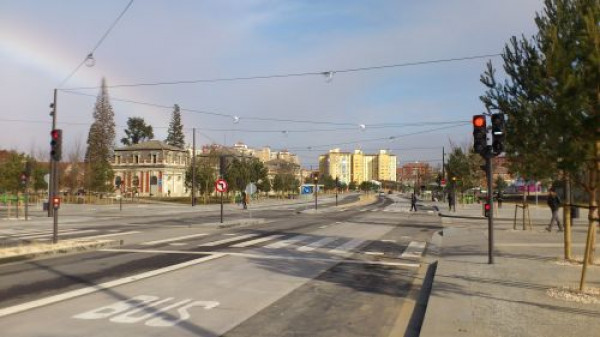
{"type": "Point", "coordinates": [16, 235]}
{"type": "Point", "coordinates": [300, 243]}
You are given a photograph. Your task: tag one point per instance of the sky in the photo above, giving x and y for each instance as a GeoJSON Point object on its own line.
{"type": "Point", "coordinates": [411, 110]}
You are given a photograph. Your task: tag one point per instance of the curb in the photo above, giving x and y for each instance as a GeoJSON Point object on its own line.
{"type": "Point", "coordinates": [82, 248]}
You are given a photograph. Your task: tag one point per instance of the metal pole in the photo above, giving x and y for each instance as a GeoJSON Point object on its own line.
{"type": "Point", "coordinates": [315, 194]}
{"type": "Point", "coordinates": [55, 225]}
{"type": "Point", "coordinates": [221, 207]}
{"type": "Point", "coordinates": [17, 204]}
{"type": "Point", "coordinates": [488, 166]}
{"type": "Point", "coordinates": [193, 166]}
{"type": "Point", "coordinates": [51, 185]}
{"type": "Point", "coordinates": [27, 200]}
{"type": "Point", "coordinates": [121, 202]}
{"type": "Point", "coordinates": [336, 191]}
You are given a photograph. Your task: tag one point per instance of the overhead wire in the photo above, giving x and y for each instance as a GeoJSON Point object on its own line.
{"type": "Point", "coordinates": [104, 36]}
{"type": "Point", "coordinates": [301, 74]}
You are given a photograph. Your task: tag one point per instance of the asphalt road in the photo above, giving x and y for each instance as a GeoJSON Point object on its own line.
{"type": "Point", "coordinates": [280, 270]}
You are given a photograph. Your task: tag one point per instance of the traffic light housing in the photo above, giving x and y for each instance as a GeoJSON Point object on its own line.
{"type": "Point", "coordinates": [56, 144]}
{"type": "Point", "coordinates": [487, 207]}
{"type": "Point", "coordinates": [498, 133]}
{"type": "Point", "coordinates": [479, 134]}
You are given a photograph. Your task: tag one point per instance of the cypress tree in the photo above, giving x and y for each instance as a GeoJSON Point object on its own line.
{"type": "Point", "coordinates": [101, 138]}
{"type": "Point", "coordinates": [175, 135]}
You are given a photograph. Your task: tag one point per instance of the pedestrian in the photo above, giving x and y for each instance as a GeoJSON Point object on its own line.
{"type": "Point", "coordinates": [244, 200]}
{"type": "Point", "coordinates": [554, 203]}
{"type": "Point", "coordinates": [451, 202]}
{"type": "Point", "coordinates": [413, 202]}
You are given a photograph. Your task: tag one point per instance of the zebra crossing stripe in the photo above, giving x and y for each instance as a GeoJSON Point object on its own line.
{"type": "Point", "coordinates": [232, 239]}
{"type": "Point", "coordinates": [414, 250]}
{"type": "Point", "coordinates": [348, 246]}
{"type": "Point", "coordinates": [316, 244]}
{"type": "Point", "coordinates": [179, 238]}
{"type": "Point", "coordinates": [255, 241]}
{"type": "Point", "coordinates": [284, 243]}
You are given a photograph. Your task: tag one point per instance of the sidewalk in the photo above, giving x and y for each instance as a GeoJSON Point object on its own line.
{"type": "Point", "coordinates": [470, 297]}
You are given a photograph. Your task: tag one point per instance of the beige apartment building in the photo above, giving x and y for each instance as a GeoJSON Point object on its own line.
{"type": "Point", "coordinates": [358, 166]}
{"type": "Point", "coordinates": [151, 168]}
{"type": "Point", "coordinates": [336, 164]}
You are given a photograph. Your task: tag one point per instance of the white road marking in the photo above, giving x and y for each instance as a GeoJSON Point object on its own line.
{"type": "Point", "coordinates": [230, 234]}
{"type": "Point", "coordinates": [255, 241]}
{"type": "Point", "coordinates": [220, 242]}
{"type": "Point", "coordinates": [178, 244]}
{"type": "Point", "coordinates": [106, 285]}
{"type": "Point", "coordinates": [108, 235]}
{"type": "Point", "coordinates": [414, 250]}
{"type": "Point", "coordinates": [388, 240]}
{"type": "Point", "coordinates": [264, 257]}
{"type": "Point", "coordinates": [374, 253]}
{"type": "Point", "coordinates": [317, 244]}
{"type": "Point", "coordinates": [179, 238]}
{"type": "Point", "coordinates": [281, 244]}
{"type": "Point", "coordinates": [323, 227]}
{"type": "Point", "coordinates": [59, 234]}
{"type": "Point", "coordinates": [347, 247]}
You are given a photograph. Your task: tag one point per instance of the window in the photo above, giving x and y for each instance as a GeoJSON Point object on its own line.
{"type": "Point", "coordinates": [154, 159]}
{"type": "Point", "coordinates": [136, 158]}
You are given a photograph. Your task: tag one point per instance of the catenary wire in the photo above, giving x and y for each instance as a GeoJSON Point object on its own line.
{"type": "Point", "coordinates": [97, 44]}
{"type": "Point", "coordinates": [310, 73]}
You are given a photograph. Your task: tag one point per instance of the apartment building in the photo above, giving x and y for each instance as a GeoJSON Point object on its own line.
{"type": "Point", "coordinates": [358, 166]}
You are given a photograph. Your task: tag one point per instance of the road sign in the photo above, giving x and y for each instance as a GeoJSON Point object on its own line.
{"type": "Point", "coordinates": [251, 189]}
{"type": "Point", "coordinates": [443, 182]}
{"type": "Point", "coordinates": [221, 185]}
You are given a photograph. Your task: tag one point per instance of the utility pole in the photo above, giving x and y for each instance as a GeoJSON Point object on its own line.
{"type": "Point", "coordinates": [52, 182]}
{"type": "Point", "coordinates": [490, 201]}
{"type": "Point", "coordinates": [193, 166]}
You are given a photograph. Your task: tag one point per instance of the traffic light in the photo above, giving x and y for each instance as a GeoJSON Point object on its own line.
{"type": "Point", "coordinates": [23, 177]}
{"type": "Point", "coordinates": [56, 202]}
{"type": "Point", "coordinates": [487, 209]}
{"type": "Point", "coordinates": [56, 144]}
{"type": "Point", "coordinates": [498, 133]}
{"type": "Point", "coordinates": [222, 165]}
{"type": "Point", "coordinates": [479, 134]}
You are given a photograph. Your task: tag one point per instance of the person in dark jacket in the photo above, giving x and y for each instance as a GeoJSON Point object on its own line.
{"type": "Point", "coordinates": [554, 203]}
{"type": "Point", "coordinates": [413, 202]}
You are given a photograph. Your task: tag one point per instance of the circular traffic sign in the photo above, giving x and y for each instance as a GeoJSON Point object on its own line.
{"type": "Point", "coordinates": [221, 185]}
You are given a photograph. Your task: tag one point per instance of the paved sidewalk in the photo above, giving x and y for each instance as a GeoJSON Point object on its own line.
{"type": "Point", "coordinates": [470, 297]}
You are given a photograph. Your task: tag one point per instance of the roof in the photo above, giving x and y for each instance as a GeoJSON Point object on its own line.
{"type": "Point", "coordinates": [150, 145]}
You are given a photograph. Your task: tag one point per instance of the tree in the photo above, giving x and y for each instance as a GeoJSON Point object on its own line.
{"type": "Point", "coordinates": [501, 184]}
{"type": "Point", "coordinates": [175, 135]}
{"type": "Point", "coordinates": [552, 99]}
{"type": "Point", "coordinates": [10, 172]}
{"type": "Point", "coordinates": [101, 138]}
{"type": "Point", "coordinates": [137, 131]}
{"type": "Point", "coordinates": [463, 167]}
{"type": "Point", "coordinates": [352, 186]}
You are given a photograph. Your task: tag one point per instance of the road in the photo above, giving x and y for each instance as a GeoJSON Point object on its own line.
{"type": "Point", "coordinates": [291, 271]}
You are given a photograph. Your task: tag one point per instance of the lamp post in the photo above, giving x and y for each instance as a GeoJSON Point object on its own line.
{"type": "Point", "coordinates": [316, 180]}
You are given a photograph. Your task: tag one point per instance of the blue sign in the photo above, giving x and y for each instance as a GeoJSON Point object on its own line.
{"type": "Point", "coordinates": [307, 189]}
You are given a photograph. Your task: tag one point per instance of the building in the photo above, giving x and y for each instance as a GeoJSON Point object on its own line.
{"type": "Point", "coordinates": [151, 168]}
{"type": "Point", "coordinates": [414, 174]}
{"type": "Point", "coordinates": [358, 166]}
{"type": "Point", "coordinates": [337, 164]}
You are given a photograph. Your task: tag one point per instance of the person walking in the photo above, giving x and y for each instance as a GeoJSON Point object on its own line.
{"type": "Point", "coordinates": [244, 200]}
{"type": "Point", "coordinates": [554, 203]}
{"type": "Point", "coordinates": [413, 202]}
{"type": "Point", "coordinates": [451, 202]}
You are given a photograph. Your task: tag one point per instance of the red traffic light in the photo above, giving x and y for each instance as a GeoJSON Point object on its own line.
{"type": "Point", "coordinates": [479, 121]}
{"type": "Point", "coordinates": [56, 202]}
{"type": "Point", "coordinates": [487, 207]}
{"type": "Point", "coordinates": [55, 134]}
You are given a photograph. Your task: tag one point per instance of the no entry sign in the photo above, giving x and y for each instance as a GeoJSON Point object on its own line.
{"type": "Point", "coordinates": [221, 185]}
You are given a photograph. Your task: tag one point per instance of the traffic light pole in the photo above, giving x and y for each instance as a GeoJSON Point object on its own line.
{"type": "Point", "coordinates": [490, 200]}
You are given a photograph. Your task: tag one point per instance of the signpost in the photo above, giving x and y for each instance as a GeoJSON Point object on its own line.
{"type": "Point", "coordinates": [221, 186]}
